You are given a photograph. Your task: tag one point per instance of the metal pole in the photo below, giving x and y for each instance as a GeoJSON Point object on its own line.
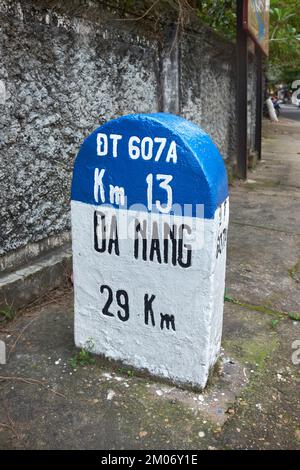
{"type": "Point", "coordinates": [259, 101]}
{"type": "Point", "coordinates": [242, 88]}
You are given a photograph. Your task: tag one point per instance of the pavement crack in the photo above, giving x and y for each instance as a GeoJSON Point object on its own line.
{"type": "Point", "coordinates": [262, 227]}
{"type": "Point", "coordinates": [280, 314]}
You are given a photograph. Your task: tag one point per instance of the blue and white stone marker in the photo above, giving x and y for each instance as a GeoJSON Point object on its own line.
{"type": "Point", "coordinates": [149, 227]}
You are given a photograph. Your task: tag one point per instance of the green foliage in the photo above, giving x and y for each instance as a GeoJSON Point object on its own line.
{"type": "Point", "coordinates": [84, 356]}
{"type": "Point", "coordinates": [274, 323]}
{"type": "Point", "coordinates": [282, 73]}
{"type": "Point", "coordinates": [219, 15]}
{"type": "Point", "coordinates": [284, 57]}
{"type": "Point", "coordinates": [128, 372]}
{"type": "Point", "coordinates": [7, 313]}
{"type": "Point", "coordinates": [284, 39]}
{"type": "Point", "coordinates": [294, 316]}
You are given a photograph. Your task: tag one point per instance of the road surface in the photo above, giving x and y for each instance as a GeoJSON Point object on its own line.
{"type": "Point", "coordinates": [290, 111]}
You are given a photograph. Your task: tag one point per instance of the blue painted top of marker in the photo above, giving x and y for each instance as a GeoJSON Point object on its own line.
{"type": "Point", "coordinates": [186, 166]}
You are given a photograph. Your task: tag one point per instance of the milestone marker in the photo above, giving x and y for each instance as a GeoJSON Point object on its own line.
{"type": "Point", "coordinates": [149, 227]}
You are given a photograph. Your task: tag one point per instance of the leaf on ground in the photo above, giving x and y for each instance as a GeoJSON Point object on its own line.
{"type": "Point", "coordinates": [294, 316]}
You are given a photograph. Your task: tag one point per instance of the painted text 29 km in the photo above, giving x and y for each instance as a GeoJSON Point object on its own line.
{"type": "Point", "coordinates": [116, 304]}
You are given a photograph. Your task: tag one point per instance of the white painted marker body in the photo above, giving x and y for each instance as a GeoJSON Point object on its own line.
{"type": "Point", "coordinates": [192, 295]}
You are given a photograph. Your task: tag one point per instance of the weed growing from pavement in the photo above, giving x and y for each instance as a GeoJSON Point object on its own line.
{"type": "Point", "coordinates": [274, 323]}
{"type": "Point", "coordinates": [84, 356]}
{"type": "Point", "coordinates": [294, 316]}
{"type": "Point", "coordinates": [7, 313]}
{"type": "Point", "coordinates": [128, 372]}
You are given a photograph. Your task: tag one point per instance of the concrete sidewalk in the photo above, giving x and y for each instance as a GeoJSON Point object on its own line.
{"type": "Point", "coordinates": [53, 398]}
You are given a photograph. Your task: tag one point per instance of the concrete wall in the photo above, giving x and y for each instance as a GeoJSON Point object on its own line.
{"type": "Point", "coordinates": [252, 67]}
{"type": "Point", "coordinates": [208, 87]}
{"type": "Point", "coordinates": [68, 66]}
